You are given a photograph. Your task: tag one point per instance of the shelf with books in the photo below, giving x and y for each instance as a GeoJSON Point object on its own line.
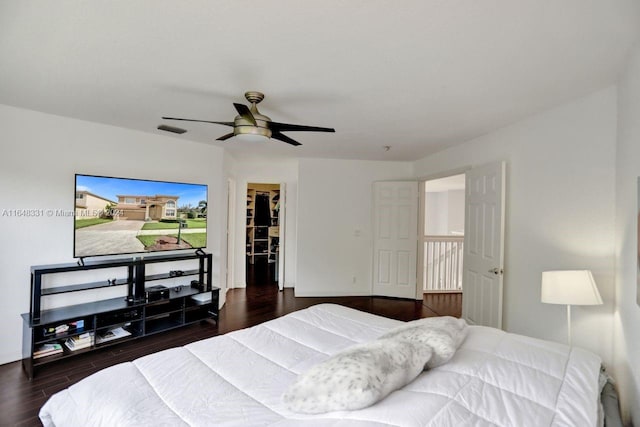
{"type": "Point", "coordinates": [109, 335]}
{"type": "Point", "coordinates": [46, 350]}
{"type": "Point", "coordinates": [80, 341]}
{"type": "Point", "coordinates": [59, 333]}
{"type": "Point", "coordinates": [63, 330]}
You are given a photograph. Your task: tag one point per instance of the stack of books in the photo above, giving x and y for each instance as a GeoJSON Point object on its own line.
{"type": "Point", "coordinates": [47, 350]}
{"type": "Point", "coordinates": [64, 328]}
{"type": "Point", "coordinates": [78, 342]}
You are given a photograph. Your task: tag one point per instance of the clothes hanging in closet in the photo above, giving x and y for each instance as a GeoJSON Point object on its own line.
{"type": "Point", "coordinates": [263, 211]}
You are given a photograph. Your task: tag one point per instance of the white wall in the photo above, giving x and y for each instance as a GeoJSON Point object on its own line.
{"type": "Point", "coordinates": [335, 224]}
{"type": "Point", "coordinates": [436, 211]}
{"type": "Point", "coordinates": [455, 211]}
{"type": "Point", "coordinates": [559, 211]}
{"type": "Point", "coordinates": [40, 155]}
{"type": "Point", "coordinates": [269, 171]}
{"type": "Point", "coordinates": [627, 315]}
{"type": "Point", "coordinates": [444, 212]}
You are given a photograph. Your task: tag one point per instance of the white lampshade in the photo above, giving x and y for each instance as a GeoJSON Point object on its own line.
{"type": "Point", "coordinates": [571, 287]}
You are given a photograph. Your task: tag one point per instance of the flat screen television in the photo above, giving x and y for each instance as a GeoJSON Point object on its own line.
{"type": "Point", "coordinates": [115, 216]}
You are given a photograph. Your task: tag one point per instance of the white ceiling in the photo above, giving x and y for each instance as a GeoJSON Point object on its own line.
{"type": "Point", "coordinates": [417, 75]}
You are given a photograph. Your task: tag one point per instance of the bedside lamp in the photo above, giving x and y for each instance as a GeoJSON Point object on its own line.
{"type": "Point", "coordinates": [570, 287]}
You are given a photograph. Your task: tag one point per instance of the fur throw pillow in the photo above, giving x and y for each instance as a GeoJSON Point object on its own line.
{"type": "Point", "coordinates": [358, 377]}
{"type": "Point", "coordinates": [366, 373]}
{"type": "Point", "coordinates": [443, 334]}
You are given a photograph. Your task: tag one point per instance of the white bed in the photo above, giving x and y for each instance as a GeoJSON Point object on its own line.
{"type": "Point", "coordinates": [238, 379]}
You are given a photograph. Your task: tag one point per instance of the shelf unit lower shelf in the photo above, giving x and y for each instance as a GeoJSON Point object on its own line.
{"type": "Point", "coordinates": [111, 315]}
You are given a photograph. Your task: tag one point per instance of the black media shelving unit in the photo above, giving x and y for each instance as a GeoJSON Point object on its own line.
{"type": "Point", "coordinates": [111, 321]}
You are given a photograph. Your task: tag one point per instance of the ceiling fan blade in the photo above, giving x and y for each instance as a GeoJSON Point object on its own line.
{"type": "Point", "coordinates": [285, 127]}
{"type": "Point", "coordinates": [225, 137]}
{"type": "Point", "coordinates": [245, 113]}
{"type": "Point", "coordinates": [179, 131]}
{"type": "Point", "coordinates": [284, 138]}
{"type": "Point", "coordinates": [199, 121]}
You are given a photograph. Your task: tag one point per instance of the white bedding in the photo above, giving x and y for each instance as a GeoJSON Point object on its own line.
{"type": "Point", "coordinates": [238, 379]}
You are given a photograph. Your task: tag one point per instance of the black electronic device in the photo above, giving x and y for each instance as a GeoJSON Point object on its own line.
{"type": "Point", "coordinates": [198, 285]}
{"type": "Point", "coordinates": [157, 292]}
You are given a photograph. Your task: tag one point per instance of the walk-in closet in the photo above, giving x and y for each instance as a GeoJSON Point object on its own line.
{"type": "Point", "coordinates": [263, 234]}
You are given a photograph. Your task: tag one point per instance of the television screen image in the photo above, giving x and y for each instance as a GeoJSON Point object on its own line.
{"type": "Point", "coordinates": [116, 216]}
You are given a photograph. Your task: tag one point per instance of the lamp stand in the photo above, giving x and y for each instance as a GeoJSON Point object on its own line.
{"type": "Point", "coordinates": [569, 324]}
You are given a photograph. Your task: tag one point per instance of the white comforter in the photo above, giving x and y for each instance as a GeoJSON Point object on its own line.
{"type": "Point", "coordinates": [238, 379]}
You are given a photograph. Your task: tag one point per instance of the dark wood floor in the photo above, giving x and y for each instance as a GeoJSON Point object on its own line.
{"type": "Point", "coordinates": [21, 399]}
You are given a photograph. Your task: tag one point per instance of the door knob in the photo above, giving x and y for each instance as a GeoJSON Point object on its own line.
{"type": "Point", "coordinates": [496, 271]}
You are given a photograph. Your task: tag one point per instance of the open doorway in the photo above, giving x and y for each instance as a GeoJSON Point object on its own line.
{"type": "Point", "coordinates": [263, 234]}
{"type": "Point", "coordinates": [442, 240]}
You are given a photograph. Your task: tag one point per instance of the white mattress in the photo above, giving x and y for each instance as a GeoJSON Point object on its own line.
{"type": "Point", "coordinates": [237, 379]}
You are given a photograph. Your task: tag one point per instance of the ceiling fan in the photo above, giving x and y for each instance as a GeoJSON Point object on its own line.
{"type": "Point", "coordinates": [249, 121]}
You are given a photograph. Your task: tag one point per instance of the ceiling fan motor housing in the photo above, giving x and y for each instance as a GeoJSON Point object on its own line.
{"type": "Point", "coordinates": [242, 126]}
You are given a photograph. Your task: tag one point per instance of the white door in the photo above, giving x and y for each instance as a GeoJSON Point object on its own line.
{"type": "Point", "coordinates": [395, 237]}
{"type": "Point", "coordinates": [483, 245]}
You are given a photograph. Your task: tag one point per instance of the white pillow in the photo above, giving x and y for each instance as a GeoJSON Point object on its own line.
{"type": "Point", "coordinates": [357, 377]}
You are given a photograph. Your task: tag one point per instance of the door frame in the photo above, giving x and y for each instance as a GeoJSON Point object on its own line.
{"type": "Point", "coordinates": [231, 221]}
{"type": "Point", "coordinates": [282, 222]}
{"type": "Point", "coordinates": [421, 221]}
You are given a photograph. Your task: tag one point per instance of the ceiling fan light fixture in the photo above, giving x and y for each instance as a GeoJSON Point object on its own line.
{"type": "Point", "coordinates": [250, 125]}
{"type": "Point", "coordinates": [252, 133]}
